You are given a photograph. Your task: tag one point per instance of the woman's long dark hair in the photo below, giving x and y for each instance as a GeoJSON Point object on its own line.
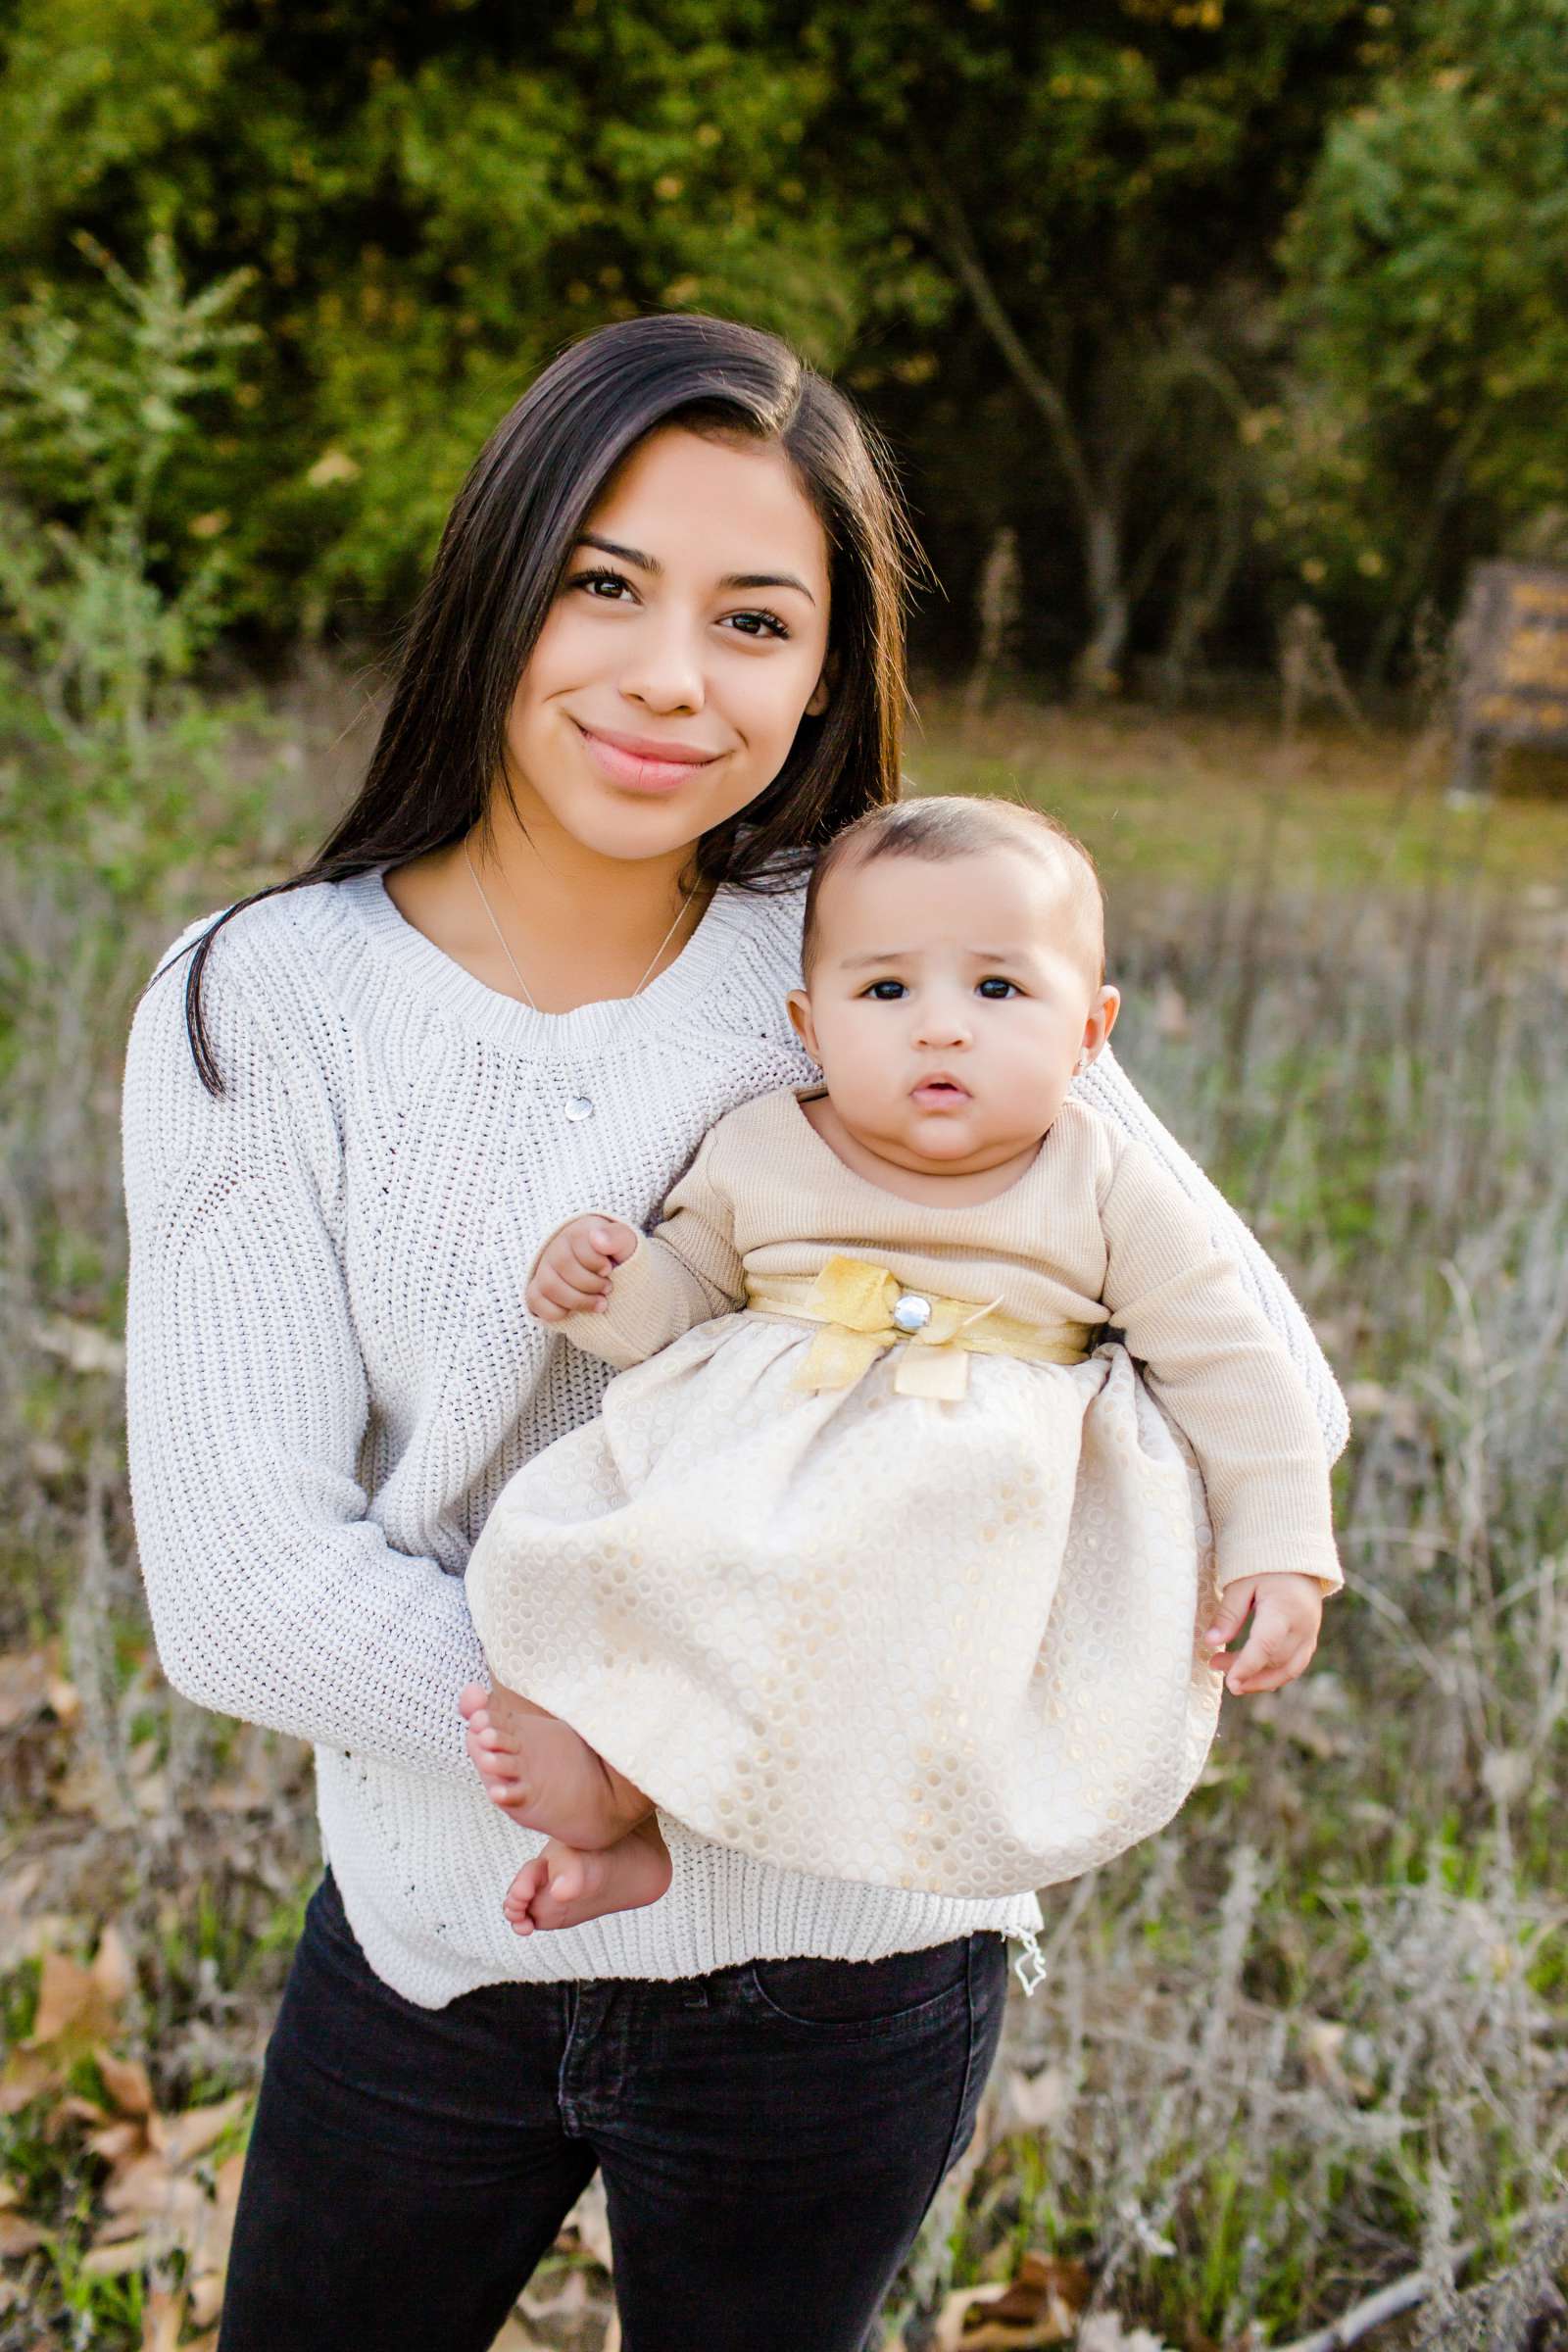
{"type": "Point", "coordinates": [503, 553]}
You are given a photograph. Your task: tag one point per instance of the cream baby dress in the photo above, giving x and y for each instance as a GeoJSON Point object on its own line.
{"type": "Point", "coordinates": [873, 1563]}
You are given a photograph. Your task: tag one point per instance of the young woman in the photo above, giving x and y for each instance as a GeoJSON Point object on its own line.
{"type": "Point", "coordinates": [658, 662]}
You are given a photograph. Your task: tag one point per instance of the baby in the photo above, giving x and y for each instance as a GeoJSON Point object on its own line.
{"type": "Point", "coordinates": [881, 1561]}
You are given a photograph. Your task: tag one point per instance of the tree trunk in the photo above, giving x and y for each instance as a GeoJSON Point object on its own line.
{"type": "Point", "coordinates": [1097, 669]}
{"type": "Point", "coordinates": [1206, 581]}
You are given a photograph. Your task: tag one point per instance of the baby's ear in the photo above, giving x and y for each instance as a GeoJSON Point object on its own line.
{"type": "Point", "coordinates": [1099, 1025]}
{"type": "Point", "coordinates": [800, 1011]}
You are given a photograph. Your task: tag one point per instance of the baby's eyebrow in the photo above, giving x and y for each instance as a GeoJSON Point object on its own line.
{"type": "Point", "coordinates": [852, 963]}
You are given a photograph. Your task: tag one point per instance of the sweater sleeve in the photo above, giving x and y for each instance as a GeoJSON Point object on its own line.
{"type": "Point", "coordinates": [1105, 1088]}
{"type": "Point", "coordinates": [273, 1595]}
{"type": "Point", "coordinates": [1211, 1359]}
{"type": "Point", "coordinates": [685, 1272]}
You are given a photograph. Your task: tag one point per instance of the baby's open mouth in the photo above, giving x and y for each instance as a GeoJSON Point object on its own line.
{"type": "Point", "coordinates": [941, 1090]}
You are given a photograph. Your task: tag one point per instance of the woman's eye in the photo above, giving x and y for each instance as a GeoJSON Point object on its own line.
{"type": "Point", "coordinates": [767, 624]}
{"type": "Point", "coordinates": [593, 580]}
{"type": "Point", "coordinates": [886, 992]}
{"type": "Point", "coordinates": [996, 989]}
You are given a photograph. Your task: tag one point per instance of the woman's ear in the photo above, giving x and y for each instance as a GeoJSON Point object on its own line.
{"type": "Point", "coordinates": [820, 696]}
{"type": "Point", "coordinates": [800, 1011]}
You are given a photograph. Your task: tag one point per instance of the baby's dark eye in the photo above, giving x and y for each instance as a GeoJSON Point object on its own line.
{"type": "Point", "coordinates": [996, 989]}
{"type": "Point", "coordinates": [886, 992]}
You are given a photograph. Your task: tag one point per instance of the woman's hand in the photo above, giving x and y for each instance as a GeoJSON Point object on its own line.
{"type": "Point", "coordinates": [1287, 1612]}
{"type": "Point", "coordinates": [571, 1273]}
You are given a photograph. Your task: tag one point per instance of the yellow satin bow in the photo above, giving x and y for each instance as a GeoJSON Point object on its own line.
{"type": "Point", "coordinates": [855, 1302]}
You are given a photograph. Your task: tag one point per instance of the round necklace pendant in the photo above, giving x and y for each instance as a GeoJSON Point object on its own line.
{"type": "Point", "coordinates": [579, 1106]}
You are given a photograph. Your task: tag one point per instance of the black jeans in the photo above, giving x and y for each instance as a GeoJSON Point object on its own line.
{"type": "Point", "coordinates": [770, 2137]}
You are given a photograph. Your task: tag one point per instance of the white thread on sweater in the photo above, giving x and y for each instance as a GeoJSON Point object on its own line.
{"type": "Point", "coordinates": [331, 1374]}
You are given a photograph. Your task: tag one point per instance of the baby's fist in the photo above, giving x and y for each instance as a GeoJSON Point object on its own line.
{"type": "Point", "coordinates": [1286, 1612]}
{"type": "Point", "coordinates": [571, 1273]}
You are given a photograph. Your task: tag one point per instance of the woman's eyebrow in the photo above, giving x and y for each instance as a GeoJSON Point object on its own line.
{"type": "Point", "coordinates": [731, 579]}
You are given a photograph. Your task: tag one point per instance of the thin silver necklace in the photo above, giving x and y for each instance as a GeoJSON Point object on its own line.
{"type": "Point", "coordinates": [578, 1107]}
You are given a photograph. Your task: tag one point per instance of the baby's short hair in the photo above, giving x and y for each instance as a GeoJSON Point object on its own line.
{"type": "Point", "coordinates": [952, 825]}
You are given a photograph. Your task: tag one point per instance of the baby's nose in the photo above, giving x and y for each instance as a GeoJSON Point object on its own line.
{"type": "Point", "coordinates": [943, 1025]}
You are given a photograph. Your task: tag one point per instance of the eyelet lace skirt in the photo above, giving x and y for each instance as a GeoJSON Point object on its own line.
{"type": "Point", "coordinates": [951, 1646]}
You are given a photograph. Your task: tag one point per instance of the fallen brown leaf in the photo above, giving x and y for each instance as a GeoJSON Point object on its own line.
{"type": "Point", "coordinates": [24, 1687]}
{"type": "Point", "coordinates": [181, 2138]}
{"type": "Point", "coordinates": [67, 2114]}
{"type": "Point", "coordinates": [150, 2188]}
{"type": "Point", "coordinates": [69, 1999]}
{"type": "Point", "coordinates": [27, 2077]}
{"type": "Point", "coordinates": [114, 2232]}
{"type": "Point", "coordinates": [117, 2257]}
{"type": "Point", "coordinates": [126, 2080]}
{"type": "Point", "coordinates": [75, 2109]}
{"type": "Point", "coordinates": [77, 2005]}
{"type": "Point", "coordinates": [111, 1965]}
{"type": "Point", "coordinates": [19, 2236]}
{"type": "Point", "coordinates": [1039, 2306]}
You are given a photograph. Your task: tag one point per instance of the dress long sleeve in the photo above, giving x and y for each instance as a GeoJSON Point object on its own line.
{"type": "Point", "coordinates": [1212, 1360]}
{"type": "Point", "coordinates": [273, 1597]}
{"type": "Point", "coordinates": [1105, 1088]}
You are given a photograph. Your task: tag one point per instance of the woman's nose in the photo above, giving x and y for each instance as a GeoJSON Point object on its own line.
{"type": "Point", "coordinates": [663, 670]}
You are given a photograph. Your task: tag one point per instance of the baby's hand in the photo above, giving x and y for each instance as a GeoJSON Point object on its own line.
{"type": "Point", "coordinates": [1287, 1612]}
{"type": "Point", "coordinates": [572, 1275]}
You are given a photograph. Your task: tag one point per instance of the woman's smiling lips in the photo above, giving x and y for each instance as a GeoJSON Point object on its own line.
{"type": "Point", "coordinates": [641, 762]}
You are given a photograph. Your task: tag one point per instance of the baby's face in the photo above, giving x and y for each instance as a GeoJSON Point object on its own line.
{"type": "Point", "coordinates": [949, 1003]}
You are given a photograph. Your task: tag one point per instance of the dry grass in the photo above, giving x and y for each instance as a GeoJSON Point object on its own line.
{"type": "Point", "coordinates": [1307, 2042]}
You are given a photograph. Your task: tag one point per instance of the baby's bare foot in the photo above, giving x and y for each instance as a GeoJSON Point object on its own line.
{"type": "Point", "coordinates": [566, 1885]}
{"type": "Point", "coordinates": [542, 1773]}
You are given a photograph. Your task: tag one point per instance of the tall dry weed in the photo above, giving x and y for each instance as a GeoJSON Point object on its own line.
{"type": "Point", "coordinates": [1312, 2036]}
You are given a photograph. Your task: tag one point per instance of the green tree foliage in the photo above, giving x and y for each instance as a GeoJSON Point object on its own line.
{"type": "Point", "coordinates": [101, 630]}
{"type": "Point", "coordinates": [1038, 238]}
{"type": "Point", "coordinates": [1103, 186]}
{"type": "Point", "coordinates": [433, 202]}
{"type": "Point", "coordinates": [1427, 270]}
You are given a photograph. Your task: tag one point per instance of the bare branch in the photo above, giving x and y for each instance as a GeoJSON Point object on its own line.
{"type": "Point", "coordinates": [957, 243]}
